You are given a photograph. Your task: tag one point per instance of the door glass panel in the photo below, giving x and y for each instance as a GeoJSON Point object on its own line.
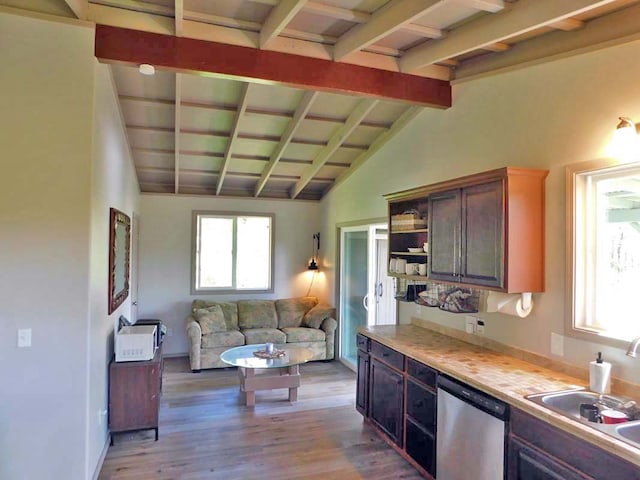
{"type": "Point", "coordinates": [353, 290]}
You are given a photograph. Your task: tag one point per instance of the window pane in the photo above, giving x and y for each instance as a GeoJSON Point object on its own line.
{"type": "Point", "coordinates": [617, 256]}
{"type": "Point", "coordinates": [254, 253]}
{"type": "Point", "coordinates": [216, 253]}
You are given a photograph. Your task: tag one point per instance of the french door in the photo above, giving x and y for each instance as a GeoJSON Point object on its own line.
{"type": "Point", "coordinates": [366, 292]}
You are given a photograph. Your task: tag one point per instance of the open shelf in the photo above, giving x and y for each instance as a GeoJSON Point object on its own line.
{"type": "Point", "coordinates": [410, 254]}
{"type": "Point", "coordinates": [419, 230]}
{"type": "Point", "coordinates": [408, 277]}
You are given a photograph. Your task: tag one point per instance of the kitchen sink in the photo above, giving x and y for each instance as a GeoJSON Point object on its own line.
{"type": "Point", "coordinates": [567, 403]}
{"type": "Point", "coordinates": [630, 431]}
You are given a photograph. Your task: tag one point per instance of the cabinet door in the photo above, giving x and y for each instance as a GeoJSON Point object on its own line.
{"type": "Point", "coordinates": [134, 396]}
{"type": "Point", "coordinates": [482, 244]}
{"type": "Point", "coordinates": [421, 446]}
{"type": "Point", "coordinates": [444, 235]}
{"type": "Point", "coordinates": [386, 400]}
{"type": "Point", "coordinates": [362, 391]}
{"type": "Point", "coordinates": [421, 405]}
{"type": "Point", "coordinates": [531, 464]}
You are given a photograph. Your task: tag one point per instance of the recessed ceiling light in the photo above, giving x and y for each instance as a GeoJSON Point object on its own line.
{"type": "Point", "coordinates": [147, 69]}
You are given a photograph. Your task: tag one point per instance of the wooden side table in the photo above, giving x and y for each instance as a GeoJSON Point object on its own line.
{"type": "Point", "coordinates": [134, 395]}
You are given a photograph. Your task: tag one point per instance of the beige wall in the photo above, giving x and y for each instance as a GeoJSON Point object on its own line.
{"type": "Point", "coordinates": [45, 206]}
{"type": "Point", "coordinates": [63, 164]}
{"type": "Point", "coordinates": [165, 255]}
{"type": "Point", "coordinates": [545, 116]}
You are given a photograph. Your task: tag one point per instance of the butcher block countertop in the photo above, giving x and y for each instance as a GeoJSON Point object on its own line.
{"type": "Point", "coordinates": [498, 374]}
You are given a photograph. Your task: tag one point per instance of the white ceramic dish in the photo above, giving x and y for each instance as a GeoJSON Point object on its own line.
{"type": "Point", "coordinates": [415, 250]}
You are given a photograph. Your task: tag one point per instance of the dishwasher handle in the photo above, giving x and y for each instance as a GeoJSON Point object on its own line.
{"type": "Point", "coordinates": [474, 397]}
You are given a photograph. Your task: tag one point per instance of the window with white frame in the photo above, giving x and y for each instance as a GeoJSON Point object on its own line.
{"type": "Point", "coordinates": [604, 273]}
{"type": "Point", "coordinates": [232, 252]}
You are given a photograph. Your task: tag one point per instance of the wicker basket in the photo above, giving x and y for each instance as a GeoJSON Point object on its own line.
{"type": "Point", "coordinates": [407, 221]}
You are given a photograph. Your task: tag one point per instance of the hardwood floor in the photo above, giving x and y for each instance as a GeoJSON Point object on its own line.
{"type": "Point", "coordinates": [206, 433]}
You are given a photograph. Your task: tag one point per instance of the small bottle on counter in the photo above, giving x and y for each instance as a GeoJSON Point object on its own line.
{"type": "Point", "coordinates": [600, 375]}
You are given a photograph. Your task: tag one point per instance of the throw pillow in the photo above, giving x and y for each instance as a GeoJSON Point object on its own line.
{"type": "Point", "coordinates": [211, 320]}
{"type": "Point", "coordinates": [292, 310]}
{"type": "Point", "coordinates": [314, 317]}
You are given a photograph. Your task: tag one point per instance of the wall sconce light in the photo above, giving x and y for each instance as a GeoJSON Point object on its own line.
{"type": "Point", "coordinates": [624, 144]}
{"type": "Point", "coordinates": [315, 248]}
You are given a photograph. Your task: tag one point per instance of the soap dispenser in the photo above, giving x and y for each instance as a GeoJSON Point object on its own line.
{"type": "Point", "coordinates": [600, 375]}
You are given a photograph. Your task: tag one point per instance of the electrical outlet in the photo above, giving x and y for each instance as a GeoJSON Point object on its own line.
{"type": "Point", "coordinates": [479, 326]}
{"type": "Point", "coordinates": [24, 337]}
{"type": "Point", "coordinates": [102, 414]}
{"type": "Point", "coordinates": [470, 324]}
{"type": "Point", "coordinates": [169, 332]}
{"type": "Point", "coordinates": [557, 344]}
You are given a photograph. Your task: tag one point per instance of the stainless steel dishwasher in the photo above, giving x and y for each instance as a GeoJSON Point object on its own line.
{"type": "Point", "coordinates": [471, 433]}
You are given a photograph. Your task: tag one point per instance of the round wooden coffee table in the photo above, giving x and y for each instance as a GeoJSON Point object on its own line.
{"type": "Point", "coordinates": [283, 371]}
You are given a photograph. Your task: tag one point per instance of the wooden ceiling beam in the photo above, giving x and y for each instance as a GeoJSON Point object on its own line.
{"type": "Point", "coordinates": [301, 111]}
{"type": "Point", "coordinates": [408, 115]}
{"type": "Point", "coordinates": [240, 33]}
{"type": "Point", "coordinates": [278, 19]}
{"type": "Point", "coordinates": [80, 8]}
{"type": "Point", "coordinates": [132, 47]}
{"type": "Point", "coordinates": [179, 17]}
{"type": "Point", "coordinates": [492, 6]}
{"type": "Point", "coordinates": [176, 132]}
{"type": "Point", "coordinates": [497, 47]}
{"type": "Point", "coordinates": [362, 110]}
{"type": "Point", "coordinates": [254, 111]}
{"type": "Point", "coordinates": [568, 24]}
{"type": "Point", "coordinates": [616, 28]}
{"type": "Point", "coordinates": [522, 17]}
{"type": "Point", "coordinates": [383, 22]}
{"type": "Point", "coordinates": [242, 106]}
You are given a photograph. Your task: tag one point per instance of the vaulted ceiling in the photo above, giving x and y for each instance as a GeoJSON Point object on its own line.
{"type": "Point", "coordinates": [287, 98]}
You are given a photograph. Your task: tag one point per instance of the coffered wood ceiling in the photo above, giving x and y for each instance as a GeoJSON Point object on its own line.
{"type": "Point", "coordinates": [287, 98]}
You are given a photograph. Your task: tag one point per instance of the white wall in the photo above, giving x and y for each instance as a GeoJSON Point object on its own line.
{"type": "Point", "coordinates": [545, 116]}
{"type": "Point", "coordinates": [45, 206]}
{"type": "Point", "coordinates": [165, 255]}
{"type": "Point", "coordinates": [114, 184]}
{"type": "Point", "coordinates": [64, 163]}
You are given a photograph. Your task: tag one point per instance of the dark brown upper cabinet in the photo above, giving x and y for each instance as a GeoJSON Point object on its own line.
{"type": "Point", "coordinates": [484, 230]}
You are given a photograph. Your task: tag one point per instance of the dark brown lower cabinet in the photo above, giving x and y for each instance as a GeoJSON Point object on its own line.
{"type": "Point", "coordinates": [134, 395]}
{"type": "Point", "coordinates": [362, 391]}
{"type": "Point", "coordinates": [421, 446]}
{"type": "Point", "coordinates": [421, 425]}
{"type": "Point", "coordinates": [386, 408]}
{"type": "Point", "coordinates": [539, 451]}
{"type": "Point", "coordinates": [531, 464]}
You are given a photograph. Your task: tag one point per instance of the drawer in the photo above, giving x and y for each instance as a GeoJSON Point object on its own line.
{"type": "Point", "coordinates": [421, 446]}
{"type": "Point", "coordinates": [387, 355]}
{"type": "Point", "coordinates": [421, 372]}
{"type": "Point", "coordinates": [421, 405]}
{"type": "Point", "coordinates": [363, 343]}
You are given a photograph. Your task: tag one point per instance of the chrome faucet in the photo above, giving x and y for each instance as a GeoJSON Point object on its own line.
{"type": "Point", "coordinates": [632, 351]}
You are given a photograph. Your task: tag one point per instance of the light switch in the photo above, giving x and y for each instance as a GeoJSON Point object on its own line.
{"type": "Point", "coordinates": [470, 324]}
{"type": "Point", "coordinates": [24, 337]}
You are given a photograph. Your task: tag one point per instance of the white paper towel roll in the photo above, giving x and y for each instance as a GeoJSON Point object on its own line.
{"type": "Point", "coordinates": [509, 304]}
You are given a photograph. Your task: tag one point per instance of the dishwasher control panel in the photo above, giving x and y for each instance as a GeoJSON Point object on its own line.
{"type": "Point", "coordinates": [479, 399]}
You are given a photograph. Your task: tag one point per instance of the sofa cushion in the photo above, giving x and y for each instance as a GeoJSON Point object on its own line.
{"type": "Point", "coordinates": [314, 317]}
{"type": "Point", "coordinates": [291, 310]}
{"type": "Point", "coordinates": [211, 320]}
{"type": "Point", "coordinates": [257, 314]}
{"type": "Point", "coordinates": [264, 335]}
{"type": "Point", "coordinates": [303, 334]}
{"type": "Point", "coordinates": [232, 338]}
{"type": "Point", "coordinates": [230, 310]}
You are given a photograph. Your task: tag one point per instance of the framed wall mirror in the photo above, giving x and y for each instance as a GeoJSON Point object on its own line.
{"type": "Point", "coordinates": [119, 257]}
